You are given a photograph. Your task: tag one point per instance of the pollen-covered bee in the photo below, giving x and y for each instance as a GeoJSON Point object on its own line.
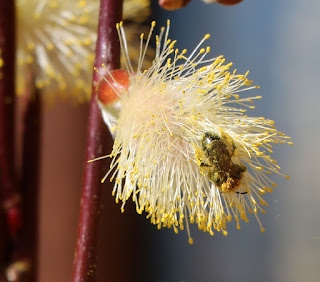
{"type": "Point", "coordinates": [215, 161]}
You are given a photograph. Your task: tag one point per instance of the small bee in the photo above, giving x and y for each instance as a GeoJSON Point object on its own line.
{"type": "Point", "coordinates": [215, 161]}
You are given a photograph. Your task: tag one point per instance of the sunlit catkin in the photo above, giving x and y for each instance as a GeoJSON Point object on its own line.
{"type": "Point", "coordinates": [184, 149]}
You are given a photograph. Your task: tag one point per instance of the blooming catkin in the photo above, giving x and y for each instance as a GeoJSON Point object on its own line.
{"type": "Point", "coordinates": [184, 149]}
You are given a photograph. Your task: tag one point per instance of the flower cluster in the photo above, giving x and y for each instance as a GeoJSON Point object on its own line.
{"type": "Point", "coordinates": [184, 150]}
{"type": "Point", "coordinates": [56, 43]}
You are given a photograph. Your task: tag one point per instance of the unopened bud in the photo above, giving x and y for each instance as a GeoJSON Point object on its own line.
{"type": "Point", "coordinates": [112, 85]}
{"type": "Point", "coordinates": [173, 4]}
{"type": "Point", "coordinates": [224, 2]}
{"type": "Point", "coordinates": [14, 220]}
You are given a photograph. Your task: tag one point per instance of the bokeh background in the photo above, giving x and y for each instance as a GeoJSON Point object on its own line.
{"type": "Point", "coordinates": [279, 42]}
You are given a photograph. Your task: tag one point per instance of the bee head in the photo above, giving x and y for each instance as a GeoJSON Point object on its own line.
{"type": "Point", "coordinates": [208, 138]}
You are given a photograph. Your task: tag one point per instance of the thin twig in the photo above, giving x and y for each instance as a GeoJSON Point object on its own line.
{"type": "Point", "coordinates": [26, 243]}
{"type": "Point", "coordinates": [108, 52]}
{"type": "Point", "coordinates": [9, 196]}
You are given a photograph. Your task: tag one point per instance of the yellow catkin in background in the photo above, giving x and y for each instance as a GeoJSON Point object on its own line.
{"type": "Point", "coordinates": [56, 43]}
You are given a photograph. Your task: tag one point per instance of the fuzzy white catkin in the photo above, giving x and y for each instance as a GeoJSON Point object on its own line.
{"type": "Point", "coordinates": [158, 157]}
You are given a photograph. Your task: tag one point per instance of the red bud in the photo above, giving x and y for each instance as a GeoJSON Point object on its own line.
{"type": "Point", "coordinates": [229, 2]}
{"type": "Point", "coordinates": [14, 220]}
{"type": "Point", "coordinates": [173, 4]}
{"type": "Point", "coordinates": [112, 85]}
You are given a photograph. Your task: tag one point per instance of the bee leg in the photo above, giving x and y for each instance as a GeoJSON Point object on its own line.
{"type": "Point", "coordinates": [241, 193]}
{"type": "Point", "coordinates": [206, 165]}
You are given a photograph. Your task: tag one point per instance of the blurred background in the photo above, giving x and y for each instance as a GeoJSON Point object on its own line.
{"type": "Point", "coordinates": [279, 42]}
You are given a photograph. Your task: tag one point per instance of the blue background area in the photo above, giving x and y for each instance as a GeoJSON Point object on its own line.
{"type": "Point", "coordinates": [278, 41]}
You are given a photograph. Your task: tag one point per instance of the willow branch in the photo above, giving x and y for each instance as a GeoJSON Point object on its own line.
{"type": "Point", "coordinates": [25, 263]}
{"type": "Point", "coordinates": [9, 196]}
{"type": "Point", "coordinates": [108, 52]}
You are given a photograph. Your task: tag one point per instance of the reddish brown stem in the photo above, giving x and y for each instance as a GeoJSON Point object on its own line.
{"type": "Point", "coordinates": [7, 97]}
{"type": "Point", "coordinates": [108, 52]}
{"type": "Point", "coordinates": [9, 198]}
{"type": "Point", "coordinates": [26, 244]}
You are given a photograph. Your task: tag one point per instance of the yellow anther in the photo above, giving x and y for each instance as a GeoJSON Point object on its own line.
{"type": "Point", "coordinates": [82, 4]}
